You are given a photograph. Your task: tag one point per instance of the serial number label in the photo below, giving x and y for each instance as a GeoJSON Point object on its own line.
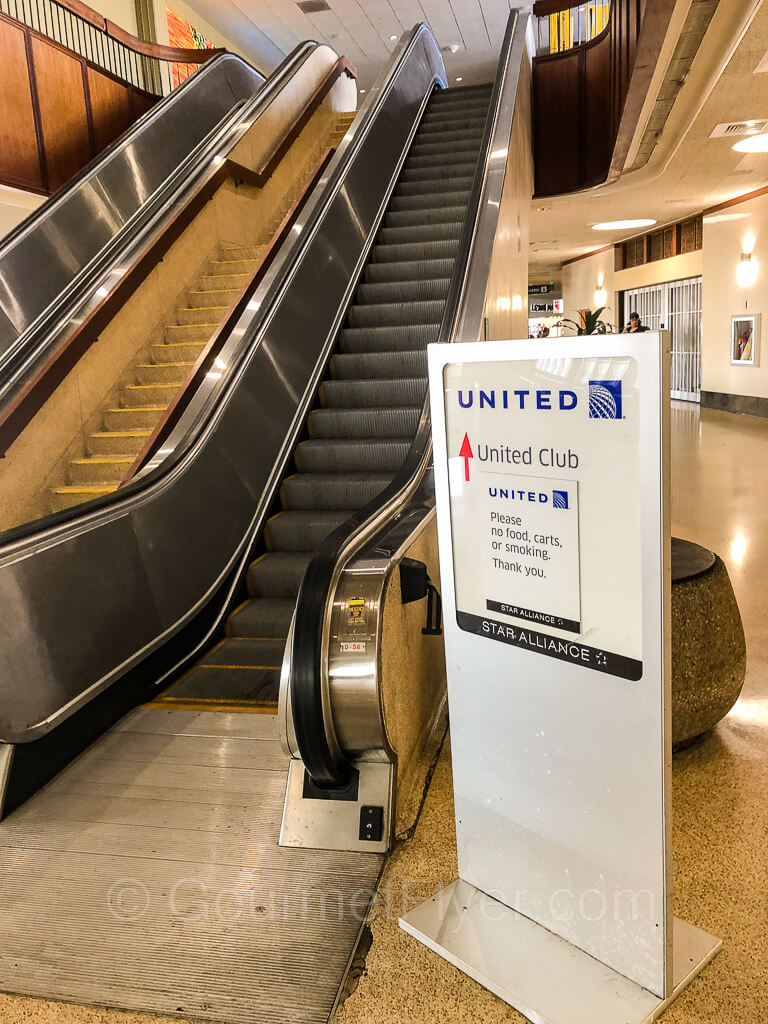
{"type": "Point", "coordinates": [352, 646]}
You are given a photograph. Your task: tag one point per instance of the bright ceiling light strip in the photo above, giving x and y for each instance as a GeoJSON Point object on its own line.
{"type": "Point", "coordinates": [615, 225]}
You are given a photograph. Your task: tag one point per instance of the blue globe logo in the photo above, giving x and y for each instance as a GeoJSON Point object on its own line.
{"type": "Point", "coordinates": [605, 399]}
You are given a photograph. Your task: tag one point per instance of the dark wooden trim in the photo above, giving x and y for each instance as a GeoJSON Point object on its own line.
{"type": "Point", "coordinates": [202, 366]}
{"type": "Point", "coordinates": [736, 201]}
{"type": "Point", "coordinates": [586, 255]}
{"type": "Point", "coordinates": [34, 393]}
{"type": "Point", "coordinates": [88, 108]}
{"type": "Point", "coordinates": [543, 8]}
{"type": "Point", "coordinates": [43, 162]}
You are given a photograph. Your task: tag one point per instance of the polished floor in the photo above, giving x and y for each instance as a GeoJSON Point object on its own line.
{"type": "Point", "coordinates": [720, 499]}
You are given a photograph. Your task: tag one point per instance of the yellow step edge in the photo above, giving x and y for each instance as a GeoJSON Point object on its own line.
{"type": "Point", "coordinates": [122, 433]}
{"type": "Point", "coordinates": [87, 489]}
{"type": "Point", "coordinates": [111, 460]}
{"type": "Point", "coordinates": [139, 408]}
{"type": "Point", "coordinates": [151, 366]}
{"type": "Point", "coordinates": [147, 387]}
{"type": "Point", "coordinates": [204, 308]}
{"type": "Point", "coordinates": [211, 704]}
{"type": "Point", "coordinates": [246, 668]}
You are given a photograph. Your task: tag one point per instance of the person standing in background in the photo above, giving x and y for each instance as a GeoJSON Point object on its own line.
{"type": "Point", "coordinates": [634, 324]}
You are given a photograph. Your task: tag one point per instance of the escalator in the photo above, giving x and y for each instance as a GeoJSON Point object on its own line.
{"type": "Point", "coordinates": [278, 543]}
{"type": "Point", "coordinates": [369, 401]}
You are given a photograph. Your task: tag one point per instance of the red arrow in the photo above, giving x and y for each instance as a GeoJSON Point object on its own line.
{"type": "Point", "coordinates": [466, 454]}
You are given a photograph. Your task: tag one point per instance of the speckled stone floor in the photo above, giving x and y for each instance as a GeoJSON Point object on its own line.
{"type": "Point", "coordinates": [720, 499]}
{"type": "Point", "coordinates": [720, 829]}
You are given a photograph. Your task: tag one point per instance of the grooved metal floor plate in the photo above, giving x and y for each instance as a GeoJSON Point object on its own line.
{"type": "Point", "coordinates": [147, 876]}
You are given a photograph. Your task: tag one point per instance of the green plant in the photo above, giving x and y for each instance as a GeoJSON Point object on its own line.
{"type": "Point", "coordinates": [590, 322]}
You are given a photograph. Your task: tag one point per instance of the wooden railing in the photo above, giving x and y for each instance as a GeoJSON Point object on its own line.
{"type": "Point", "coordinates": [71, 82]}
{"type": "Point", "coordinates": [587, 100]}
{"type": "Point", "coordinates": [31, 397]}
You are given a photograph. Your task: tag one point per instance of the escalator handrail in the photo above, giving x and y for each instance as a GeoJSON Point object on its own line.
{"type": "Point", "coordinates": [213, 391]}
{"type": "Point", "coordinates": [22, 356]}
{"type": "Point", "coordinates": [197, 177]}
{"type": "Point", "coordinates": [315, 736]}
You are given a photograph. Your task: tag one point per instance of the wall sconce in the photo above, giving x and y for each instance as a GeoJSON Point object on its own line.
{"type": "Point", "coordinates": [517, 302]}
{"type": "Point", "coordinates": [746, 270]}
{"type": "Point", "coordinates": [601, 295]}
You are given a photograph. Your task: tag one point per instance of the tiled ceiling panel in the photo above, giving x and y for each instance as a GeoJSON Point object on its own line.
{"type": "Point", "coordinates": [362, 30]}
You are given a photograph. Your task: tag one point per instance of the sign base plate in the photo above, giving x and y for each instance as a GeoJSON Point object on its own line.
{"type": "Point", "coordinates": [546, 978]}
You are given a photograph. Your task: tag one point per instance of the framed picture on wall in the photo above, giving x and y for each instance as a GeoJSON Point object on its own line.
{"type": "Point", "coordinates": [745, 339]}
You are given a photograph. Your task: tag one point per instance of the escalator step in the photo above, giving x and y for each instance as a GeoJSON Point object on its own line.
{"type": "Point", "coordinates": [449, 159]}
{"type": "Point", "coordinates": [461, 93]}
{"type": "Point", "coordinates": [300, 531]}
{"type": "Point", "coordinates": [364, 423]}
{"type": "Point", "coordinates": [353, 366]}
{"type": "Point", "coordinates": [445, 123]}
{"type": "Point", "coordinates": [408, 338]}
{"type": "Point", "coordinates": [277, 573]}
{"type": "Point", "coordinates": [330, 491]}
{"type": "Point", "coordinates": [439, 213]}
{"type": "Point", "coordinates": [412, 194]}
{"type": "Point", "coordinates": [144, 418]}
{"type": "Point", "coordinates": [453, 170]}
{"type": "Point", "coordinates": [428, 200]}
{"type": "Point", "coordinates": [445, 249]}
{"type": "Point", "coordinates": [396, 271]}
{"type": "Point", "coordinates": [357, 394]}
{"type": "Point", "coordinates": [262, 617]}
{"type": "Point", "coordinates": [457, 99]}
{"type": "Point", "coordinates": [420, 233]}
{"type": "Point", "coordinates": [391, 314]}
{"type": "Point", "coordinates": [447, 143]}
{"type": "Point", "coordinates": [248, 652]}
{"type": "Point", "coordinates": [328, 456]}
{"type": "Point", "coordinates": [418, 290]}
{"type": "Point", "coordinates": [224, 685]}
{"type": "Point", "coordinates": [163, 373]}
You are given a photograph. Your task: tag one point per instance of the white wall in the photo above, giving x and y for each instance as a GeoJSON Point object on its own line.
{"type": "Point", "coordinates": [722, 296]}
{"type": "Point", "coordinates": [224, 25]}
{"type": "Point", "coordinates": [580, 279]}
{"type": "Point", "coordinates": [15, 205]}
{"type": "Point", "coordinates": [122, 12]}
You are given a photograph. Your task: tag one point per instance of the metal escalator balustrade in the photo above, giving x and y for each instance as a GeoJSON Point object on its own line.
{"type": "Point", "coordinates": [369, 402]}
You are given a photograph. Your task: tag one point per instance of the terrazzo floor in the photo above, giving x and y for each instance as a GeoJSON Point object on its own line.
{"type": "Point", "coordinates": [720, 499]}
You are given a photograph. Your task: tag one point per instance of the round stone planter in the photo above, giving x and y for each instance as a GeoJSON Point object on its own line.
{"type": "Point", "coordinates": [708, 648]}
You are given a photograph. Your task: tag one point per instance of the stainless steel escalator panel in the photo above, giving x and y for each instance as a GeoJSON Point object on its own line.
{"type": "Point", "coordinates": [39, 261]}
{"type": "Point", "coordinates": [187, 528]}
{"type": "Point", "coordinates": [147, 876]}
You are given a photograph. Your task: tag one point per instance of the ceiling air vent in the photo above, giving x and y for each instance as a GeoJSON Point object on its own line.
{"type": "Point", "coordinates": [313, 6]}
{"type": "Point", "coordinates": [729, 129]}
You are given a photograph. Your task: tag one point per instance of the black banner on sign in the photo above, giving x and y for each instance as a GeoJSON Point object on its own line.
{"type": "Point", "coordinates": [552, 646]}
{"type": "Point", "coordinates": [542, 618]}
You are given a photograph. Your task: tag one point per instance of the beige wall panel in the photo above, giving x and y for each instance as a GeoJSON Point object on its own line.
{"type": "Point", "coordinates": [506, 303]}
{"type": "Point", "coordinates": [723, 297]}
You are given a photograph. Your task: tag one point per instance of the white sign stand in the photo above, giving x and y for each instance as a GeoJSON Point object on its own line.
{"type": "Point", "coordinates": [551, 475]}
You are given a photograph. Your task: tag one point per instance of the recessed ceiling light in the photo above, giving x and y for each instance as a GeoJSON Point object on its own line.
{"type": "Point", "coordinates": [362, 91]}
{"type": "Point", "coordinates": [615, 225]}
{"type": "Point", "coordinates": [393, 39]}
{"type": "Point", "coordinates": [542, 209]}
{"type": "Point", "coordinates": [754, 144]}
{"type": "Point", "coordinates": [459, 79]}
